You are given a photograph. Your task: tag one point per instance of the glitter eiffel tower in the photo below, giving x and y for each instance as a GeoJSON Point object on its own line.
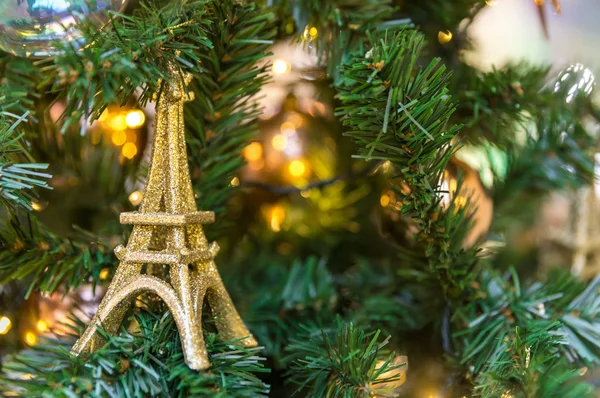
{"type": "Point", "coordinates": [167, 231]}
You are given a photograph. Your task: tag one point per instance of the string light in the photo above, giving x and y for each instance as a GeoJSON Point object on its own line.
{"type": "Point", "coordinates": [280, 67]}
{"type": "Point", "coordinates": [118, 138]}
{"type": "Point", "coordinates": [30, 338]}
{"type": "Point", "coordinates": [104, 274]}
{"type": "Point", "coordinates": [444, 37]}
{"type": "Point", "coordinates": [5, 325]}
{"type": "Point", "coordinates": [135, 198]}
{"type": "Point", "coordinates": [276, 217]}
{"type": "Point", "coordinates": [41, 326]}
{"type": "Point", "coordinates": [297, 168]}
{"type": "Point", "coordinates": [279, 142]}
{"type": "Point", "coordinates": [135, 118]}
{"type": "Point", "coordinates": [310, 33]}
{"type": "Point", "coordinates": [384, 200]}
{"type": "Point", "coordinates": [119, 122]}
{"type": "Point", "coordinates": [36, 206]}
{"type": "Point", "coordinates": [129, 150]}
{"type": "Point", "coordinates": [253, 152]}
{"type": "Point", "coordinates": [235, 182]}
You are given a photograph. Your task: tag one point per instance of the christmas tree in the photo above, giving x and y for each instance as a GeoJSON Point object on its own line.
{"type": "Point", "coordinates": [392, 220]}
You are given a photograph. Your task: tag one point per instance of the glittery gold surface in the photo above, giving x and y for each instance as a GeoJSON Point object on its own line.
{"type": "Point", "coordinates": [167, 231]}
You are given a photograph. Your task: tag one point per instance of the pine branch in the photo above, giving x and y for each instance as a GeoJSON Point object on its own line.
{"type": "Point", "coordinates": [342, 362]}
{"type": "Point", "coordinates": [223, 117]}
{"type": "Point", "coordinates": [336, 28]}
{"type": "Point", "coordinates": [281, 296]}
{"type": "Point", "coordinates": [46, 261]}
{"type": "Point", "coordinates": [501, 304]}
{"type": "Point", "coordinates": [17, 180]}
{"type": "Point", "coordinates": [557, 154]}
{"type": "Point", "coordinates": [19, 81]}
{"type": "Point", "coordinates": [128, 56]}
{"type": "Point", "coordinates": [148, 362]}
{"type": "Point", "coordinates": [400, 112]}
{"type": "Point", "coordinates": [497, 106]}
{"type": "Point", "coordinates": [529, 366]}
{"type": "Point", "coordinates": [435, 15]}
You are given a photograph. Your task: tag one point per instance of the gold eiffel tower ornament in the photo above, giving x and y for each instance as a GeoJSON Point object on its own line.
{"type": "Point", "coordinates": [167, 231]}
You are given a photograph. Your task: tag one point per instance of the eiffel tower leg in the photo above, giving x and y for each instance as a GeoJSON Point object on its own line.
{"type": "Point", "coordinates": [192, 339]}
{"type": "Point", "coordinates": [109, 319]}
{"type": "Point", "coordinates": [229, 323]}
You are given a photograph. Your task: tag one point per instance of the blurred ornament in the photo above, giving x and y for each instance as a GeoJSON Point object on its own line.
{"type": "Point", "coordinates": [573, 81]}
{"type": "Point", "coordinates": [28, 28]}
{"type": "Point", "coordinates": [473, 193]}
{"type": "Point", "coordinates": [570, 229]}
{"type": "Point", "coordinates": [54, 309]}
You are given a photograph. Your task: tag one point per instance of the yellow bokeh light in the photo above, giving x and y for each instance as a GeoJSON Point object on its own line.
{"type": "Point", "coordinates": [295, 119]}
{"type": "Point", "coordinates": [444, 37]}
{"type": "Point", "coordinates": [253, 152]}
{"type": "Point", "coordinates": [235, 182]}
{"type": "Point", "coordinates": [118, 138]}
{"type": "Point", "coordinates": [276, 217]}
{"type": "Point", "coordinates": [129, 150]}
{"type": "Point", "coordinates": [131, 136]}
{"type": "Point", "coordinates": [280, 67]}
{"type": "Point", "coordinates": [41, 326]}
{"type": "Point", "coordinates": [279, 142]}
{"type": "Point", "coordinates": [104, 274]}
{"type": "Point", "coordinates": [305, 193]}
{"type": "Point", "coordinates": [135, 118]}
{"type": "Point", "coordinates": [36, 206]}
{"type": "Point", "coordinates": [135, 198]}
{"type": "Point", "coordinates": [384, 200]}
{"type": "Point", "coordinates": [119, 122]}
{"type": "Point", "coordinates": [490, 2]}
{"type": "Point", "coordinates": [297, 168]}
{"type": "Point", "coordinates": [5, 325]}
{"type": "Point", "coordinates": [288, 128]}
{"type": "Point", "coordinates": [313, 32]}
{"type": "Point", "coordinates": [30, 338]}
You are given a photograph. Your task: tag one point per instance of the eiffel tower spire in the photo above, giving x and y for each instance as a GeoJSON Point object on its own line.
{"type": "Point", "coordinates": [167, 231]}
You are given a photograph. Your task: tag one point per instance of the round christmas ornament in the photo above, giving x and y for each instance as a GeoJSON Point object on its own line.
{"type": "Point", "coordinates": [28, 27]}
